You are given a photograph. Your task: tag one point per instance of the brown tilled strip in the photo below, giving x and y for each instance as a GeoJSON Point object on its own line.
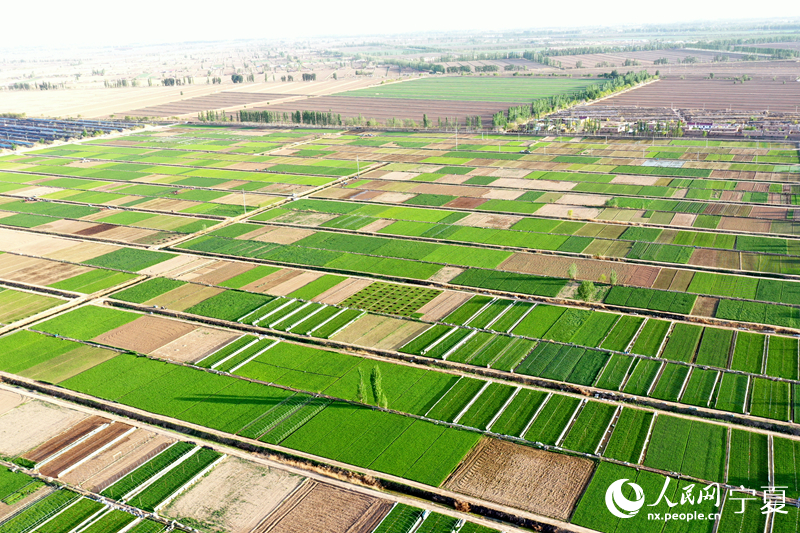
{"type": "Point", "coordinates": [84, 449]}
{"type": "Point", "coordinates": [140, 456]}
{"type": "Point", "coordinates": [371, 518]}
{"type": "Point", "coordinates": [73, 434]}
{"type": "Point", "coordinates": [285, 508]}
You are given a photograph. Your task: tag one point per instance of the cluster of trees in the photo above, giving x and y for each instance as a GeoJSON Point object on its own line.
{"type": "Point", "coordinates": [776, 53]}
{"type": "Point", "coordinates": [319, 118]}
{"type": "Point", "coordinates": [171, 82]}
{"type": "Point", "coordinates": [287, 78]}
{"type": "Point", "coordinates": [98, 72]}
{"type": "Point", "coordinates": [401, 123]}
{"type": "Point", "coordinates": [237, 78]}
{"type": "Point", "coordinates": [264, 117]}
{"type": "Point", "coordinates": [661, 61]}
{"type": "Point", "coordinates": [309, 77]}
{"type": "Point", "coordinates": [473, 122]}
{"type": "Point", "coordinates": [460, 68]}
{"type": "Point", "coordinates": [216, 81]}
{"type": "Point", "coordinates": [422, 66]}
{"type": "Point", "coordinates": [43, 86]}
{"type": "Point", "coordinates": [376, 382]}
{"type": "Point", "coordinates": [122, 82]}
{"type": "Point", "coordinates": [316, 117]}
{"type": "Point", "coordinates": [213, 116]}
{"type": "Point", "coordinates": [690, 60]}
{"type": "Point", "coordinates": [481, 56]}
{"type": "Point", "coordinates": [487, 68]}
{"type": "Point", "coordinates": [727, 44]}
{"type": "Point", "coordinates": [631, 63]}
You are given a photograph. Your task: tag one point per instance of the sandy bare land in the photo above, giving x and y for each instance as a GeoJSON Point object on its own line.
{"type": "Point", "coordinates": [446, 274]}
{"type": "Point", "coordinates": [145, 334]}
{"type": "Point", "coordinates": [108, 457]}
{"type": "Point", "coordinates": [443, 305]}
{"type": "Point", "coordinates": [342, 291]}
{"type": "Point", "coordinates": [72, 435]}
{"type": "Point", "coordinates": [32, 423]}
{"type": "Point", "coordinates": [184, 296]}
{"type": "Point", "coordinates": [235, 496]}
{"type": "Point", "coordinates": [488, 220]}
{"type": "Point", "coordinates": [526, 478]}
{"type": "Point", "coordinates": [8, 401]}
{"type": "Point", "coordinates": [195, 345]}
{"type": "Point", "coordinates": [295, 283]}
{"type": "Point", "coordinates": [126, 463]}
{"type": "Point", "coordinates": [324, 508]}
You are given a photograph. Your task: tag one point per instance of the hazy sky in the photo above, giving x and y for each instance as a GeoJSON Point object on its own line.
{"type": "Point", "coordinates": [53, 22]}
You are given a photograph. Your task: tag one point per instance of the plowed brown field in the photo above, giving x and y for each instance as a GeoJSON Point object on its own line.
{"type": "Point", "coordinates": [526, 478]}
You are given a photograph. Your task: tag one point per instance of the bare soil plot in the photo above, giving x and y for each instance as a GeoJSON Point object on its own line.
{"type": "Point", "coordinates": [37, 271]}
{"type": "Point", "coordinates": [397, 338]}
{"type": "Point", "coordinates": [283, 235]}
{"type": "Point", "coordinates": [369, 330]}
{"type": "Point", "coordinates": [61, 463]}
{"type": "Point", "coordinates": [202, 103]}
{"type": "Point", "coordinates": [526, 478]}
{"type": "Point", "coordinates": [466, 203]}
{"type": "Point", "coordinates": [683, 219]}
{"type": "Point", "coordinates": [97, 102]}
{"type": "Point", "coordinates": [374, 227]}
{"type": "Point", "coordinates": [634, 180]}
{"type": "Point", "coordinates": [705, 306]}
{"type": "Point", "coordinates": [195, 345]}
{"type": "Point", "coordinates": [754, 95]}
{"type": "Point", "coordinates": [121, 465]}
{"type": "Point", "coordinates": [32, 423]}
{"type": "Point", "coordinates": [393, 197]}
{"type": "Point", "coordinates": [266, 283]}
{"type": "Point", "coordinates": [83, 251]}
{"type": "Point", "coordinates": [24, 242]}
{"type": "Point", "coordinates": [568, 211]}
{"type": "Point", "coordinates": [217, 271]}
{"type": "Point", "coordinates": [235, 496]}
{"type": "Point", "coordinates": [503, 194]}
{"type": "Point", "coordinates": [176, 266]}
{"type": "Point", "coordinates": [73, 434]}
{"type": "Point", "coordinates": [184, 296]}
{"type": "Point", "coordinates": [342, 291]}
{"type": "Point", "coordinates": [8, 401]}
{"type": "Point", "coordinates": [295, 283]}
{"type": "Point", "coordinates": [107, 457]}
{"type": "Point", "coordinates": [715, 258]}
{"type": "Point", "coordinates": [145, 334]}
{"type": "Point", "coordinates": [583, 199]}
{"type": "Point", "coordinates": [446, 274]}
{"type": "Point", "coordinates": [442, 305]}
{"type": "Point", "coordinates": [324, 508]}
{"type": "Point", "coordinates": [588, 269]}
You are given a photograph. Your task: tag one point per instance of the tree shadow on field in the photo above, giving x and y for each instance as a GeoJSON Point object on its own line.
{"type": "Point", "coordinates": [266, 401]}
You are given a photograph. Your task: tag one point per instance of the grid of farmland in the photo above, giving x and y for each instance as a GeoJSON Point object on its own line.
{"type": "Point", "coordinates": [393, 302]}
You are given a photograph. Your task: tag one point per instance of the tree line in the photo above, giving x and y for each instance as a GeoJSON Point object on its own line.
{"type": "Point", "coordinates": [542, 106]}
{"type": "Point", "coordinates": [317, 118]}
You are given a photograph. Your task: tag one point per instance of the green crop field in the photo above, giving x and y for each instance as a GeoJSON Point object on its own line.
{"type": "Point", "coordinates": [629, 435]}
{"type": "Point", "coordinates": [477, 89]}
